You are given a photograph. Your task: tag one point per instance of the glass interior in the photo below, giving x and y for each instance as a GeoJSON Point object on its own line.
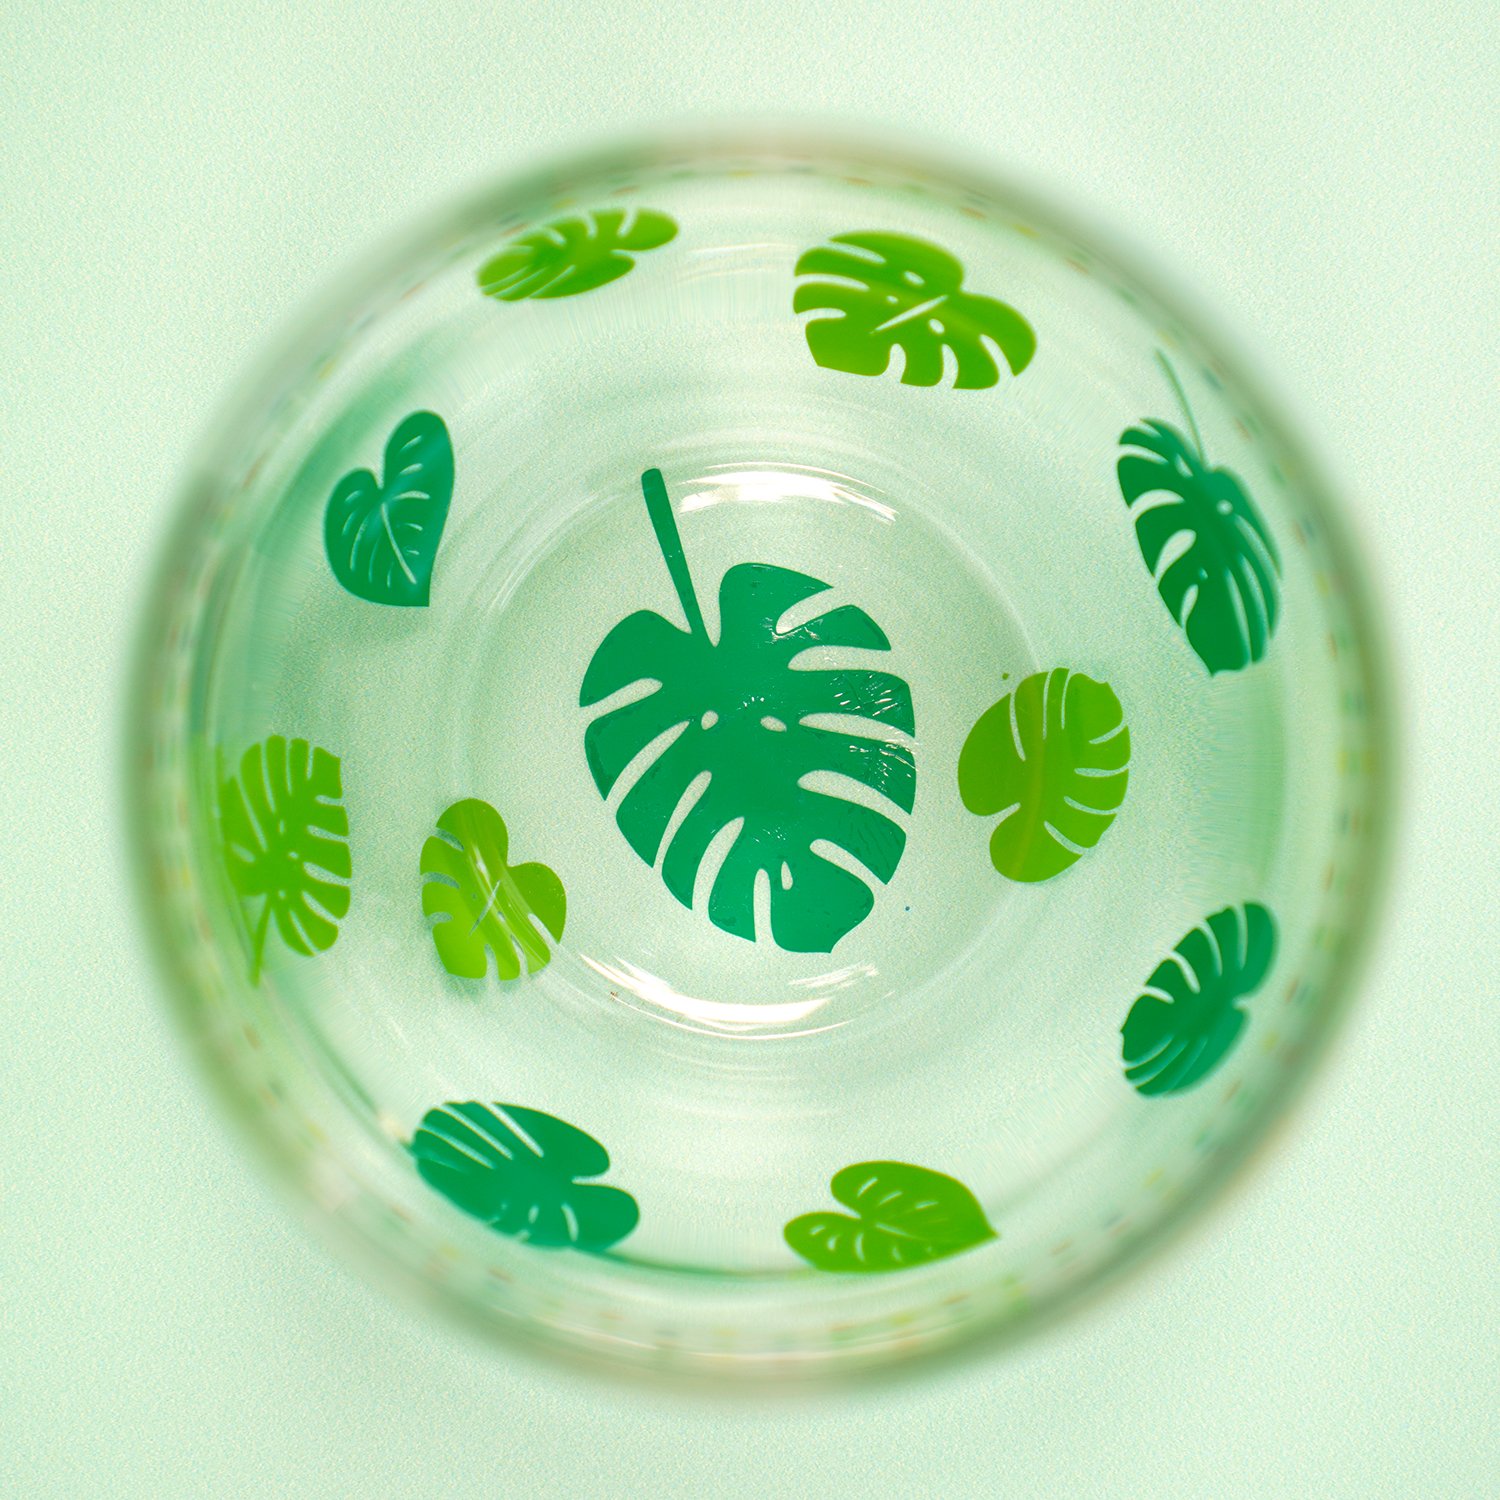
{"type": "Point", "coordinates": [790, 935]}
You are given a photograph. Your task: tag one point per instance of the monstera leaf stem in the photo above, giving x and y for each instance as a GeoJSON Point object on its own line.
{"type": "Point", "coordinates": [664, 524]}
{"type": "Point", "coordinates": [258, 942]}
{"type": "Point", "coordinates": [1182, 401]}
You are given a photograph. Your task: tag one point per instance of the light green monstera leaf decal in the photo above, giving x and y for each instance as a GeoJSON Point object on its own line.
{"type": "Point", "coordinates": [285, 838]}
{"type": "Point", "coordinates": [573, 254]}
{"type": "Point", "coordinates": [743, 751]}
{"type": "Point", "coordinates": [523, 1173]}
{"type": "Point", "coordinates": [481, 905]}
{"type": "Point", "coordinates": [1221, 571]}
{"type": "Point", "coordinates": [382, 537]}
{"type": "Point", "coordinates": [1051, 759]}
{"type": "Point", "coordinates": [1189, 1017]}
{"type": "Point", "coordinates": [890, 291]}
{"type": "Point", "coordinates": [901, 1216]}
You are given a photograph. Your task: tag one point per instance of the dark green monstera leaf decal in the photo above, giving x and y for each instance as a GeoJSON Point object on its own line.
{"type": "Point", "coordinates": [573, 254]}
{"type": "Point", "coordinates": [1220, 577]}
{"type": "Point", "coordinates": [524, 1173]}
{"type": "Point", "coordinates": [1189, 1017]}
{"type": "Point", "coordinates": [742, 749]}
{"type": "Point", "coordinates": [382, 536]}
{"type": "Point", "coordinates": [1051, 758]}
{"type": "Point", "coordinates": [286, 843]}
{"type": "Point", "coordinates": [900, 1216]}
{"type": "Point", "coordinates": [889, 291]}
{"type": "Point", "coordinates": [481, 905]}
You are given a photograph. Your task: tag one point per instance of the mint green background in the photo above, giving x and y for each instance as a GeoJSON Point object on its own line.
{"type": "Point", "coordinates": [177, 178]}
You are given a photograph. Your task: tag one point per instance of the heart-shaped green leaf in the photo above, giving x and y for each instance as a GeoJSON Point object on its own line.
{"type": "Point", "coordinates": [890, 291]}
{"type": "Point", "coordinates": [1051, 759]}
{"type": "Point", "coordinates": [902, 1216]}
{"type": "Point", "coordinates": [742, 750]}
{"type": "Point", "coordinates": [1189, 1017]}
{"type": "Point", "coordinates": [1220, 580]}
{"type": "Point", "coordinates": [573, 254]}
{"type": "Point", "coordinates": [285, 836]}
{"type": "Point", "coordinates": [521, 1172]}
{"type": "Point", "coordinates": [382, 539]}
{"type": "Point", "coordinates": [482, 905]}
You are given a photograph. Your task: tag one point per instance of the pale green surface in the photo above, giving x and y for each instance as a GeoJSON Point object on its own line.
{"type": "Point", "coordinates": [175, 183]}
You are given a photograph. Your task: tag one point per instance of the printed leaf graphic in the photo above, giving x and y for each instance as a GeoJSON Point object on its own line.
{"type": "Point", "coordinates": [742, 748]}
{"type": "Point", "coordinates": [890, 291]}
{"type": "Point", "coordinates": [573, 254]}
{"type": "Point", "coordinates": [1051, 759]}
{"type": "Point", "coordinates": [285, 836]}
{"type": "Point", "coordinates": [1189, 1017]}
{"type": "Point", "coordinates": [482, 905]}
{"type": "Point", "coordinates": [382, 539]}
{"type": "Point", "coordinates": [1219, 579]}
{"type": "Point", "coordinates": [522, 1172]}
{"type": "Point", "coordinates": [902, 1216]}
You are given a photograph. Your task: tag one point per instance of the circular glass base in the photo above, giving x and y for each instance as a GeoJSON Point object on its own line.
{"type": "Point", "coordinates": [746, 722]}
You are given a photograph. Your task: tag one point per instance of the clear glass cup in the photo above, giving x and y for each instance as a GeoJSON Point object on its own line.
{"type": "Point", "coordinates": [752, 758]}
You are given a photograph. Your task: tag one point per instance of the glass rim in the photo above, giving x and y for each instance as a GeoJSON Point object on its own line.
{"type": "Point", "coordinates": [282, 364]}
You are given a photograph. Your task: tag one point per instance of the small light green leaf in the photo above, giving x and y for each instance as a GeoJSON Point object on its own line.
{"type": "Point", "coordinates": [521, 1172]}
{"type": "Point", "coordinates": [382, 539]}
{"type": "Point", "coordinates": [285, 836]}
{"type": "Point", "coordinates": [743, 749]}
{"type": "Point", "coordinates": [1189, 1017]}
{"type": "Point", "coordinates": [890, 291]}
{"type": "Point", "coordinates": [902, 1216]}
{"type": "Point", "coordinates": [480, 904]}
{"type": "Point", "coordinates": [1051, 758]}
{"type": "Point", "coordinates": [1220, 580]}
{"type": "Point", "coordinates": [573, 254]}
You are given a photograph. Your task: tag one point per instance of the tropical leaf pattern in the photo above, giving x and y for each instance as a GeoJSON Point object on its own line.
{"type": "Point", "coordinates": [481, 906]}
{"type": "Point", "coordinates": [574, 254]}
{"type": "Point", "coordinates": [285, 839]}
{"type": "Point", "coordinates": [1189, 1017]}
{"type": "Point", "coordinates": [1206, 545]}
{"type": "Point", "coordinates": [1051, 759]}
{"type": "Point", "coordinates": [900, 1216]}
{"type": "Point", "coordinates": [882, 292]}
{"type": "Point", "coordinates": [743, 752]}
{"type": "Point", "coordinates": [524, 1173]}
{"type": "Point", "coordinates": [382, 537]}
